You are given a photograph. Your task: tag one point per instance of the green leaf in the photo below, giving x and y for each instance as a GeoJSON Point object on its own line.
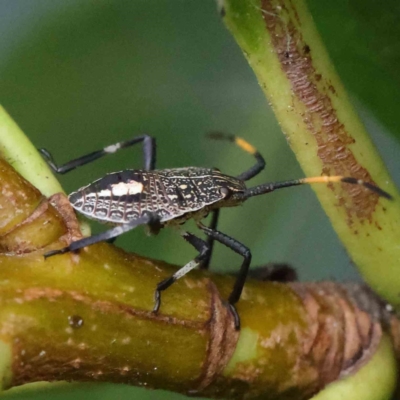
{"type": "Point", "coordinates": [362, 38]}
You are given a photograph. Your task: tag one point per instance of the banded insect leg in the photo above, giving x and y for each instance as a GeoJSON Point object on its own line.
{"type": "Point", "coordinates": [248, 148]}
{"type": "Point", "coordinates": [149, 219]}
{"type": "Point", "coordinates": [202, 247]}
{"type": "Point", "coordinates": [149, 154]}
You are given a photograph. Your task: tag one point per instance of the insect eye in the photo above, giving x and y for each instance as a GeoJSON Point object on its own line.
{"type": "Point", "coordinates": [224, 192]}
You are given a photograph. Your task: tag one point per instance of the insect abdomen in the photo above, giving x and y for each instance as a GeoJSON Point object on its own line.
{"type": "Point", "coordinates": [127, 195]}
{"type": "Point", "coordinates": [116, 198]}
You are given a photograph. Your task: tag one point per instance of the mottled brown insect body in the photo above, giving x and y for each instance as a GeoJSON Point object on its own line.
{"type": "Point", "coordinates": [124, 196]}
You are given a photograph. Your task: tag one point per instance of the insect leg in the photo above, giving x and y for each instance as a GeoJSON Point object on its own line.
{"type": "Point", "coordinates": [274, 272]}
{"type": "Point", "coordinates": [210, 240]}
{"type": "Point", "coordinates": [238, 248]}
{"type": "Point", "coordinates": [150, 219]}
{"type": "Point", "coordinates": [260, 162]}
{"type": "Point", "coordinates": [202, 247]}
{"type": "Point", "coordinates": [149, 154]}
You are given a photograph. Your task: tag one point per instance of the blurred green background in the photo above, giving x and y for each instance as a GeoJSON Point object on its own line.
{"type": "Point", "coordinates": [79, 75]}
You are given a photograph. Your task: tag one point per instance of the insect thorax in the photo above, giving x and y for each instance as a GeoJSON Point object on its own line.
{"type": "Point", "coordinates": [122, 196]}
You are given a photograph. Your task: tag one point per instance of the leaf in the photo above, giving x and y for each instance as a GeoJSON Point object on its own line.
{"type": "Point", "coordinates": [362, 38]}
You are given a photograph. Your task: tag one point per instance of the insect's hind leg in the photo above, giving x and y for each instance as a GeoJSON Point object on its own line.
{"type": "Point", "coordinates": [210, 240]}
{"type": "Point", "coordinates": [149, 219]}
{"type": "Point", "coordinates": [202, 247]}
{"type": "Point", "coordinates": [149, 154]}
{"type": "Point", "coordinates": [238, 248]}
{"type": "Point", "coordinates": [274, 272]}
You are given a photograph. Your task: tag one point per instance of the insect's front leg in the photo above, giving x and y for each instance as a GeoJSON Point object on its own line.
{"type": "Point", "coordinates": [149, 154]}
{"type": "Point", "coordinates": [148, 219]}
{"type": "Point", "coordinates": [202, 247]}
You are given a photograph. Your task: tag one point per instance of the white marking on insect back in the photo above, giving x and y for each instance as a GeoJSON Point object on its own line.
{"type": "Point", "coordinates": [183, 186]}
{"type": "Point", "coordinates": [102, 193]}
{"type": "Point", "coordinates": [122, 188]}
{"type": "Point", "coordinates": [112, 148]}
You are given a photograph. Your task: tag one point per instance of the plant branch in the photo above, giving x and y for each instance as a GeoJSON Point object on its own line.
{"type": "Point", "coordinates": [17, 149]}
{"type": "Point", "coordinates": [282, 45]}
{"type": "Point", "coordinates": [87, 317]}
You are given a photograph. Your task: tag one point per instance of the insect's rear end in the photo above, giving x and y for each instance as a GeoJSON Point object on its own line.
{"type": "Point", "coordinates": [116, 198]}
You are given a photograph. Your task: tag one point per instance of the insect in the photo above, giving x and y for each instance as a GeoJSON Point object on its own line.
{"type": "Point", "coordinates": [159, 198]}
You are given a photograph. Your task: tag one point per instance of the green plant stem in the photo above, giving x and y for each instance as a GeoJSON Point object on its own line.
{"type": "Point", "coordinates": [121, 340]}
{"type": "Point", "coordinates": [18, 150]}
{"type": "Point", "coordinates": [88, 317]}
{"type": "Point", "coordinates": [22, 155]}
{"type": "Point", "coordinates": [376, 381]}
{"type": "Point", "coordinates": [281, 44]}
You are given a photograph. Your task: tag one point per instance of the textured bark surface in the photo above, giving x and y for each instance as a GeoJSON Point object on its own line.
{"type": "Point", "coordinates": [313, 89]}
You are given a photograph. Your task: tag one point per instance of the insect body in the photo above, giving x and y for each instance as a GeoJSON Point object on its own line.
{"type": "Point", "coordinates": [159, 198]}
{"type": "Point", "coordinates": [170, 194]}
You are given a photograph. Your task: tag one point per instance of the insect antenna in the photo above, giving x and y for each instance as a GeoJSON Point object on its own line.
{"type": "Point", "coordinates": [269, 187]}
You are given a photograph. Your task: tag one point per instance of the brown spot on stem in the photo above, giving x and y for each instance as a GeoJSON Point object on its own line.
{"type": "Point", "coordinates": [319, 115]}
